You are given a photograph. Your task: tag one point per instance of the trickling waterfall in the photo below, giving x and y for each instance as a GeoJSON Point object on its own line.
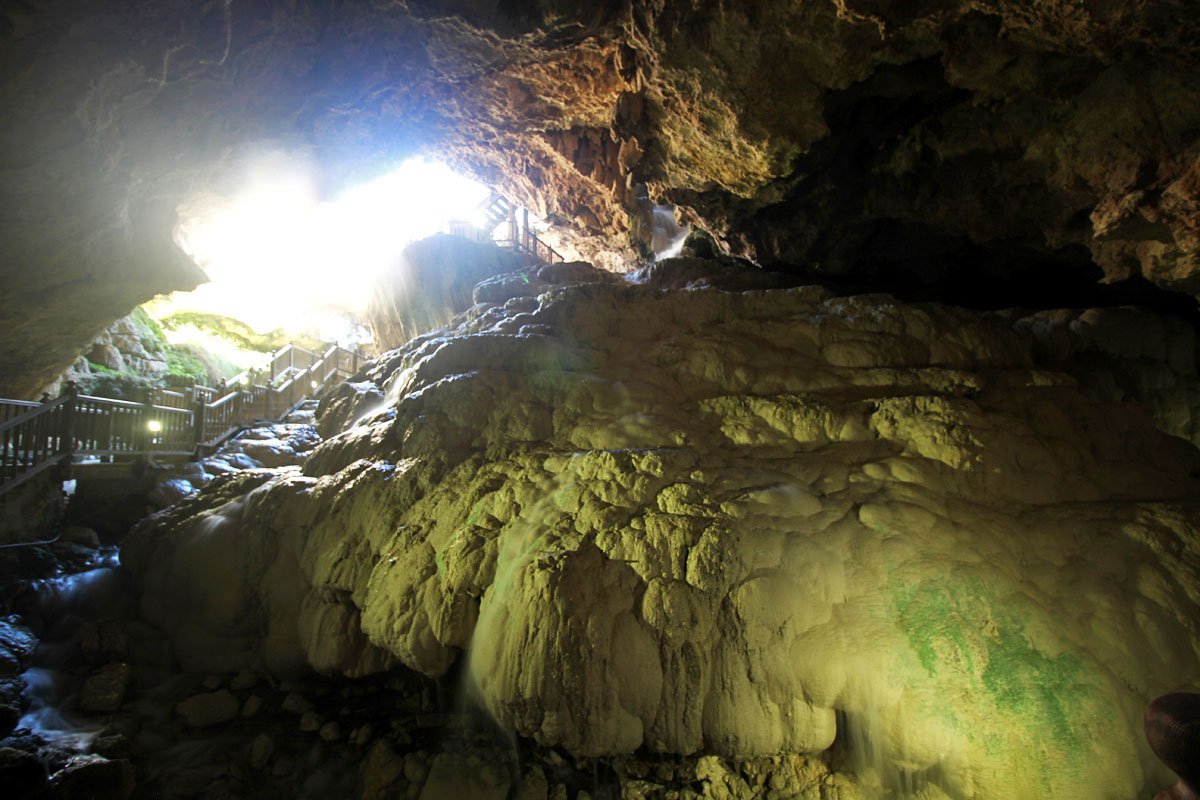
{"type": "Point", "coordinates": [669, 235]}
{"type": "Point", "coordinates": [58, 608]}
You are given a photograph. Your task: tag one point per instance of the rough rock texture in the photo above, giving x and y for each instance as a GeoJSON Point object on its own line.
{"type": "Point", "coordinates": [16, 646]}
{"type": "Point", "coordinates": [430, 284]}
{"type": "Point", "coordinates": [90, 777]}
{"type": "Point", "coordinates": [104, 690]}
{"type": "Point", "coordinates": [1125, 354]}
{"type": "Point", "coordinates": [1039, 142]}
{"type": "Point", "coordinates": [744, 523]}
{"type": "Point", "coordinates": [132, 345]}
{"type": "Point", "coordinates": [129, 347]}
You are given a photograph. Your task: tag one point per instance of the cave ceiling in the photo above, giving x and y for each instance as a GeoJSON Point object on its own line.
{"type": "Point", "coordinates": [856, 140]}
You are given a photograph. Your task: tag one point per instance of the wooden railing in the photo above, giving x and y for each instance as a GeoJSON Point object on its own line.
{"type": "Point", "coordinates": [37, 436]}
{"type": "Point", "coordinates": [524, 240]}
{"type": "Point", "coordinates": [516, 235]}
{"type": "Point", "coordinates": [290, 358]}
{"type": "Point", "coordinates": [106, 427]}
{"type": "Point", "coordinates": [34, 437]}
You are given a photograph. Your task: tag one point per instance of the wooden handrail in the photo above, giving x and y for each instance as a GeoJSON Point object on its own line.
{"type": "Point", "coordinates": [520, 236]}
{"type": "Point", "coordinates": [36, 440]}
{"type": "Point", "coordinates": [37, 436]}
{"type": "Point", "coordinates": [35, 410]}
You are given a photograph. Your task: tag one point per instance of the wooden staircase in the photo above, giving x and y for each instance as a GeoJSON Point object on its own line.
{"type": "Point", "coordinates": [36, 437]}
{"type": "Point", "coordinates": [504, 227]}
{"type": "Point", "coordinates": [496, 209]}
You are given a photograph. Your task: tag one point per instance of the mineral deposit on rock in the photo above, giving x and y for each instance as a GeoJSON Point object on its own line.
{"type": "Point", "coordinates": [740, 522]}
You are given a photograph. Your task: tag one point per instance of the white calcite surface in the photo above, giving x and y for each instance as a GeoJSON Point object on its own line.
{"type": "Point", "coordinates": [703, 520]}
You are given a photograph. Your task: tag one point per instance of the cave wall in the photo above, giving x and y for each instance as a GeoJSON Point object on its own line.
{"type": "Point", "coordinates": [860, 139]}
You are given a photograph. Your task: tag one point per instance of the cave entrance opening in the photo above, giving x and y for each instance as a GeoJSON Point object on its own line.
{"type": "Point", "coordinates": [280, 254]}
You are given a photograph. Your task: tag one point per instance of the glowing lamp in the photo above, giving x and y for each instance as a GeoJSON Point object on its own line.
{"type": "Point", "coordinates": [154, 426]}
{"type": "Point", "coordinates": [314, 384]}
{"type": "Point", "coordinates": [245, 381]}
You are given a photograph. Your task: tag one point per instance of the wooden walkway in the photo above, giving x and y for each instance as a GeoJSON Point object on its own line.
{"type": "Point", "coordinates": [504, 228]}
{"type": "Point", "coordinates": [36, 437]}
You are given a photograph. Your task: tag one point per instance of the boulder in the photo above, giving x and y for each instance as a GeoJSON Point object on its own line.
{"type": "Point", "coordinates": [104, 690]}
{"type": "Point", "coordinates": [22, 774]}
{"type": "Point", "coordinates": [17, 644]}
{"type": "Point", "coordinates": [380, 770]}
{"type": "Point", "coordinates": [271, 452]}
{"type": "Point", "coordinates": [103, 641]}
{"type": "Point", "coordinates": [92, 777]}
{"type": "Point", "coordinates": [106, 355]}
{"type": "Point", "coordinates": [170, 491]}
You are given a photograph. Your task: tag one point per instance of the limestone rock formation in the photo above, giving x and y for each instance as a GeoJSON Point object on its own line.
{"type": "Point", "coordinates": [431, 283]}
{"type": "Point", "coordinates": [726, 520]}
{"type": "Point", "coordinates": [946, 141]}
{"type": "Point", "coordinates": [1125, 354]}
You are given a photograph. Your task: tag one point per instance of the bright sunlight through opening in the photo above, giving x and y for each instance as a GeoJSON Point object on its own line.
{"type": "Point", "coordinates": [278, 256]}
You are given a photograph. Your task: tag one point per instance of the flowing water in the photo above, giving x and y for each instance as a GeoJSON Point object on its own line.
{"type": "Point", "coordinates": [669, 235]}
{"type": "Point", "coordinates": [57, 609]}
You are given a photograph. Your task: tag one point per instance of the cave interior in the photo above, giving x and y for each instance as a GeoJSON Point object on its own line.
{"type": "Point", "coordinates": [884, 481]}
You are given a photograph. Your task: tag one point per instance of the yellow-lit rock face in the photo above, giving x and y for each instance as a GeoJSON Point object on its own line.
{"type": "Point", "coordinates": [708, 520]}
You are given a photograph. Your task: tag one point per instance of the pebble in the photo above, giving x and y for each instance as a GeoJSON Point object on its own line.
{"type": "Point", "coordinates": [296, 703]}
{"type": "Point", "coordinates": [211, 708]}
{"type": "Point", "coordinates": [362, 735]}
{"type": "Point", "coordinates": [243, 680]}
{"type": "Point", "coordinates": [252, 706]}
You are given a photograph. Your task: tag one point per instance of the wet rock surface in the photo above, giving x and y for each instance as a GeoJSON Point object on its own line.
{"type": "Point", "coordinates": [729, 523]}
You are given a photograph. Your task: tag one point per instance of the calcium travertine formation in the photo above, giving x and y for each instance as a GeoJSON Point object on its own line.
{"type": "Point", "coordinates": [712, 520]}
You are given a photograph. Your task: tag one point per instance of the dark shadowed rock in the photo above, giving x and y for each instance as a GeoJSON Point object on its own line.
{"type": "Point", "coordinates": [210, 708]}
{"type": "Point", "coordinates": [104, 690]}
{"type": "Point", "coordinates": [16, 647]}
{"type": "Point", "coordinates": [23, 775]}
{"type": "Point", "coordinates": [92, 777]}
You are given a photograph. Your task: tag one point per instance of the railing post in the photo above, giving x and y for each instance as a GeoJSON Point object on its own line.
{"type": "Point", "coordinates": [143, 436]}
{"type": "Point", "coordinates": [66, 429]}
{"type": "Point", "coordinates": [198, 421]}
{"type": "Point", "coordinates": [355, 357]}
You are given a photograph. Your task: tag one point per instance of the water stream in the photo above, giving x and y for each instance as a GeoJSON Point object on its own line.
{"type": "Point", "coordinates": [57, 609]}
{"type": "Point", "coordinates": [669, 235]}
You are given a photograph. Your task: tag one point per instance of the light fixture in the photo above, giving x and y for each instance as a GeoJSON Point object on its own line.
{"type": "Point", "coordinates": [314, 384]}
{"type": "Point", "coordinates": [154, 426]}
{"type": "Point", "coordinates": [245, 381]}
